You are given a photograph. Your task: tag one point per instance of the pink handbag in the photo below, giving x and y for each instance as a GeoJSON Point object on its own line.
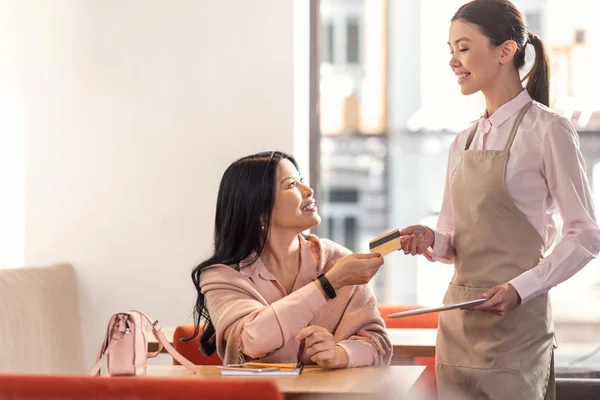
{"type": "Point", "coordinates": [126, 347]}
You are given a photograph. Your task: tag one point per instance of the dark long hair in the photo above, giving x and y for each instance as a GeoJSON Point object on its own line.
{"type": "Point", "coordinates": [500, 21]}
{"type": "Point", "coordinates": [243, 217]}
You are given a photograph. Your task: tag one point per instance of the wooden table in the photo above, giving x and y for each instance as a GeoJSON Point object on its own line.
{"type": "Point", "coordinates": [393, 382]}
{"type": "Point", "coordinates": [407, 343]}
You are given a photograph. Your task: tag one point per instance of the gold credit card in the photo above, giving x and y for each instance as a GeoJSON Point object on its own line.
{"type": "Point", "coordinates": [386, 243]}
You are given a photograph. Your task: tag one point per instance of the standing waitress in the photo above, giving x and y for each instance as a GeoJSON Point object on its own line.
{"type": "Point", "coordinates": [506, 177]}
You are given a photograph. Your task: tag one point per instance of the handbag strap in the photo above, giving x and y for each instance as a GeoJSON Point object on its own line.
{"type": "Point", "coordinates": [107, 346]}
{"type": "Point", "coordinates": [164, 342]}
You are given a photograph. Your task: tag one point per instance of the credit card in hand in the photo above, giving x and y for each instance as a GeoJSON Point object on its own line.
{"type": "Point", "coordinates": [387, 243]}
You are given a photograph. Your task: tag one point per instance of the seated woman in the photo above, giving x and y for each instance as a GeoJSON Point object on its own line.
{"type": "Point", "coordinates": [260, 296]}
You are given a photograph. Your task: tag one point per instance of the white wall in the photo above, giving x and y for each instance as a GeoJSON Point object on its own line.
{"type": "Point", "coordinates": [133, 111]}
{"type": "Point", "coordinates": [12, 143]}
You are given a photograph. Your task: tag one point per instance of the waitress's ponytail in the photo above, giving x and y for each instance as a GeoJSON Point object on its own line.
{"type": "Point", "coordinates": [538, 78]}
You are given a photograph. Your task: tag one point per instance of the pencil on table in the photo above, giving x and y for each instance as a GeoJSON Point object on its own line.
{"type": "Point", "coordinates": [267, 365]}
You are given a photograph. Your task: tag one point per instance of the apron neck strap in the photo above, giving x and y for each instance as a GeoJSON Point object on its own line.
{"type": "Point", "coordinates": [471, 136]}
{"type": "Point", "coordinates": [513, 133]}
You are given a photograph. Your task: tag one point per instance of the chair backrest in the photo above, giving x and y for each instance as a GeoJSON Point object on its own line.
{"type": "Point", "coordinates": [416, 321]}
{"type": "Point", "coordinates": [40, 326]}
{"type": "Point", "coordinates": [73, 387]}
{"type": "Point", "coordinates": [191, 349]}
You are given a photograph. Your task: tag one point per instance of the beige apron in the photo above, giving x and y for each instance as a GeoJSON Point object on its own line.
{"type": "Point", "coordinates": [480, 355]}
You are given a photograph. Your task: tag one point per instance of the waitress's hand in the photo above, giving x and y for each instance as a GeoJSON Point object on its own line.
{"type": "Point", "coordinates": [321, 348]}
{"type": "Point", "coordinates": [416, 239]}
{"type": "Point", "coordinates": [502, 298]}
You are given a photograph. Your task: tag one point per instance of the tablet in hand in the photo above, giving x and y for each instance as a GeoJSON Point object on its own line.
{"type": "Point", "coordinates": [427, 310]}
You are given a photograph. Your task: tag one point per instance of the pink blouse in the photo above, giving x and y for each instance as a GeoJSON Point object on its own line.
{"type": "Point", "coordinates": [545, 175]}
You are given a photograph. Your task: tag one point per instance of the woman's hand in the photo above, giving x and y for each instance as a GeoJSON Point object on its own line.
{"type": "Point", "coordinates": [416, 239]}
{"type": "Point", "coordinates": [502, 298]}
{"type": "Point", "coordinates": [321, 348]}
{"type": "Point", "coordinates": [354, 269]}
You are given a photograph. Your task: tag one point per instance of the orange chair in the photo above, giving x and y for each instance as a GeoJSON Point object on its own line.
{"type": "Point", "coordinates": [191, 349]}
{"type": "Point", "coordinates": [422, 321]}
{"type": "Point", "coordinates": [72, 387]}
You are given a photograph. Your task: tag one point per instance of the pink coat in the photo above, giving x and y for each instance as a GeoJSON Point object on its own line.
{"type": "Point", "coordinates": [256, 320]}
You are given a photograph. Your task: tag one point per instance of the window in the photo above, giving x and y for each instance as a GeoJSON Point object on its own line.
{"type": "Point", "coordinates": [341, 36]}
{"type": "Point", "coordinates": [327, 43]}
{"type": "Point", "coordinates": [352, 41]}
{"type": "Point", "coordinates": [343, 195]}
{"type": "Point", "coordinates": [351, 232]}
{"type": "Point", "coordinates": [534, 21]}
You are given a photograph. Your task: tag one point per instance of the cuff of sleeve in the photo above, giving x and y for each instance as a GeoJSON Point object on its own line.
{"type": "Point", "coordinates": [312, 296]}
{"type": "Point", "coordinates": [440, 246]}
{"type": "Point", "coordinates": [360, 354]}
{"type": "Point", "coordinates": [526, 285]}
{"type": "Point", "coordinates": [428, 255]}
